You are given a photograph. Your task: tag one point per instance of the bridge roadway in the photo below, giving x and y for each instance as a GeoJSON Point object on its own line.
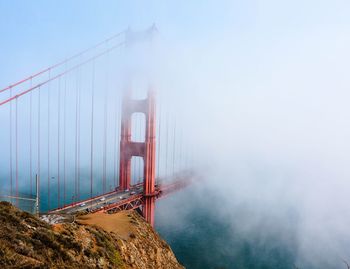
{"type": "Point", "coordinates": [124, 200]}
{"type": "Point", "coordinates": [101, 202]}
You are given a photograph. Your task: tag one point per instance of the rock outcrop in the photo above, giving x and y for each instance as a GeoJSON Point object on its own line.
{"type": "Point", "coordinates": [29, 242]}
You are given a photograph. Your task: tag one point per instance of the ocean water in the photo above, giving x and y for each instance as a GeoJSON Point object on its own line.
{"type": "Point", "coordinates": [207, 243]}
{"type": "Point", "coordinates": [202, 239]}
{"type": "Point", "coordinates": [205, 232]}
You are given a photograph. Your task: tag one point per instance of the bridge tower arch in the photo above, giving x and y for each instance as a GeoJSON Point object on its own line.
{"type": "Point", "coordinates": [145, 150]}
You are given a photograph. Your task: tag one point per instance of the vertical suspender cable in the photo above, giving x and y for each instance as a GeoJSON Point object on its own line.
{"type": "Point", "coordinates": [58, 142]}
{"type": "Point", "coordinates": [159, 132]}
{"type": "Point", "coordinates": [64, 139]}
{"type": "Point", "coordinates": [92, 132]}
{"type": "Point", "coordinates": [185, 152]}
{"type": "Point", "coordinates": [104, 174]}
{"type": "Point", "coordinates": [30, 139]}
{"type": "Point", "coordinates": [104, 143]}
{"type": "Point", "coordinates": [39, 112]}
{"type": "Point", "coordinates": [166, 145]}
{"type": "Point", "coordinates": [116, 140]}
{"type": "Point", "coordinates": [115, 144]}
{"type": "Point", "coordinates": [78, 139]}
{"type": "Point", "coordinates": [180, 150]}
{"type": "Point", "coordinates": [16, 130]}
{"type": "Point", "coordinates": [140, 139]}
{"type": "Point", "coordinates": [119, 124]}
{"type": "Point", "coordinates": [76, 142]}
{"type": "Point", "coordinates": [11, 172]}
{"type": "Point", "coordinates": [48, 144]}
{"type": "Point", "coordinates": [174, 149]}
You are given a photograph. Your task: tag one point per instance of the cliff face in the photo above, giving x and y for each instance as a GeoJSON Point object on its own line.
{"type": "Point", "coordinates": [124, 241]}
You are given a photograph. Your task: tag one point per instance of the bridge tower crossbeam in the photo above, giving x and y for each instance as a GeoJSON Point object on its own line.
{"type": "Point", "coordinates": [145, 150]}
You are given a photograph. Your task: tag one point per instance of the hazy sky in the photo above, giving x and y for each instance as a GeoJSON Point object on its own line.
{"type": "Point", "coordinates": [37, 33]}
{"type": "Point", "coordinates": [266, 90]}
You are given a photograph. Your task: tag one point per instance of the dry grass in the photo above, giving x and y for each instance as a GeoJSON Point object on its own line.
{"type": "Point", "coordinates": [28, 242]}
{"type": "Point", "coordinates": [119, 223]}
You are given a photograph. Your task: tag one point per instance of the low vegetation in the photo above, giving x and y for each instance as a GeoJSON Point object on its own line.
{"type": "Point", "coordinates": [28, 242]}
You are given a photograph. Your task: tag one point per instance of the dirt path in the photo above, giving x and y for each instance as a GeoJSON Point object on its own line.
{"type": "Point", "coordinates": [118, 223]}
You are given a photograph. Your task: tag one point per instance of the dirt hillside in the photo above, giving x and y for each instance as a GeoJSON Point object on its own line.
{"type": "Point", "coordinates": [122, 240]}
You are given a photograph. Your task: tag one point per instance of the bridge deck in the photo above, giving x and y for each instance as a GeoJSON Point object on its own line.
{"type": "Point", "coordinates": [124, 200]}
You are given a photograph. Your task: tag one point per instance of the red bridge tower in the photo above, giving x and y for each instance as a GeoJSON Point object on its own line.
{"type": "Point", "coordinates": [146, 149]}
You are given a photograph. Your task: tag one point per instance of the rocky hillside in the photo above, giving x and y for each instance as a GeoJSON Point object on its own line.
{"type": "Point", "coordinates": [28, 242]}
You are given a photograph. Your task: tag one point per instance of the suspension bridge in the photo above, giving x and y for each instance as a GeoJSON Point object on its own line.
{"type": "Point", "coordinates": [90, 133]}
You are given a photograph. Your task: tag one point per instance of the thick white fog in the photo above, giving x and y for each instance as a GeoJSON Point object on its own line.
{"type": "Point", "coordinates": [269, 112]}
{"type": "Point", "coordinates": [261, 89]}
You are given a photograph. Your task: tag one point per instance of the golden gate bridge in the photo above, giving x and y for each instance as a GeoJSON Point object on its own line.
{"type": "Point", "coordinates": [85, 134]}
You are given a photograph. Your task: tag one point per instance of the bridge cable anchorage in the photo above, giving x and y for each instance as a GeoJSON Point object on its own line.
{"type": "Point", "coordinates": [61, 74]}
{"type": "Point", "coordinates": [63, 62]}
{"type": "Point", "coordinates": [92, 132]}
{"type": "Point", "coordinates": [48, 143]}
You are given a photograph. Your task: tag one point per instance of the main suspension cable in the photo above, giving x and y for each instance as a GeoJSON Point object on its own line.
{"type": "Point", "coordinates": [62, 62]}
{"type": "Point", "coordinates": [61, 74]}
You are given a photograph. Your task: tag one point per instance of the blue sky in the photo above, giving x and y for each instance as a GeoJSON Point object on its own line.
{"type": "Point", "coordinates": [267, 87]}
{"type": "Point", "coordinates": [38, 33]}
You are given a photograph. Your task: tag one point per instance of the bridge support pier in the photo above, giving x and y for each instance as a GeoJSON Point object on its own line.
{"type": "Point", "coordinates": [146, 149]}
